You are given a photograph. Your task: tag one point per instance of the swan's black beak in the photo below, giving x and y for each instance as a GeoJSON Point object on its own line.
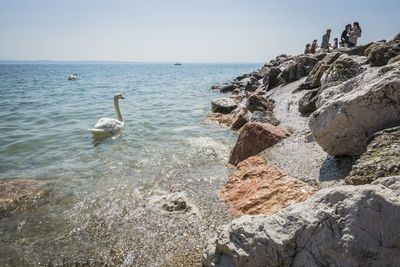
{"type": "Point", "coordinates": [122, 97]}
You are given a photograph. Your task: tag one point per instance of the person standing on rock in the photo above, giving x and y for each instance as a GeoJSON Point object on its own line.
{"type": "Point", "coordinates": [314, 47]}
{"type": "Point", "coordinates": [325, 40]}
{"type": "Point", "coordinates": [354, 34]}
{"type": "Point", "coordinates": [345, 35]}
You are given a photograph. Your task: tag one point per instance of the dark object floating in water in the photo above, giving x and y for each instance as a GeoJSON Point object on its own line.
{"type": "Point", "coordinates": [177, 64]}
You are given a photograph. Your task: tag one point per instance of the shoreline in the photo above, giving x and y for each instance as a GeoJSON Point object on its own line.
{"type": "Point", "coordinates": [302, 93]}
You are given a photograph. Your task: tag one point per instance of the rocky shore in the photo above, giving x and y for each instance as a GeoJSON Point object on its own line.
{"type": "Point", "coordinates": [317, 174]}
{"type": "Point", "coordinates": [315, 171]}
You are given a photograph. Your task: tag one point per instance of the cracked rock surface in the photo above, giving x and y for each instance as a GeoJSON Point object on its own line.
{"type": "Point", "coordinates": [381, 159]}
{"type": "Point", "coordinates": [341, 226]}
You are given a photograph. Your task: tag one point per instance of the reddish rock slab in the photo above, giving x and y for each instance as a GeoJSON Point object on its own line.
{"type": "Point", "coordinates": [257, 188]}
{"type": "Point", "coordinates": [235, 120]}
{"type": "Point", "coordinates": [254, 138]}
{"type": "Point", "coordinates": [256, 102]}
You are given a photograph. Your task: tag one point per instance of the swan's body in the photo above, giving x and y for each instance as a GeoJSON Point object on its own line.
{"type": "Point", "coordinates": [72, 77]}
{"type": "Point", "coordinates": [110, 126]}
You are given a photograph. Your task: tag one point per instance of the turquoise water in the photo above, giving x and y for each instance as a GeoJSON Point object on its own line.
{"type": "Point", "coordinates": [100, 190]}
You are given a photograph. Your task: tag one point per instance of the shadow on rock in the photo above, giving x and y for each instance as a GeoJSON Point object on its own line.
{"type": "Point", "coordinates": [335, 168]}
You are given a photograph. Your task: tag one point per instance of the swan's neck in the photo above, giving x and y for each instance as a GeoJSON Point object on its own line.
{"type": "Point", "coordinates": [116, 106]}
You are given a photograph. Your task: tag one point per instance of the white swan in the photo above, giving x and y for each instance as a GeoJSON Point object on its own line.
{"type": "Point", "coordinates": [109, 126]}
{"type": "Point", "coordinates": [72, 77]}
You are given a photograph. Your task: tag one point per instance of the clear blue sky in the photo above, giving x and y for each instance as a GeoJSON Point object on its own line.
{"type": "Point", "coordinates": [184, 31]}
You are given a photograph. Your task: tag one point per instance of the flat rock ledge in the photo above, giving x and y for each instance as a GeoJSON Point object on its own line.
{"type": "Point", "coordinates": [17, 195]}
{"type": "Point", "coordinates": [257, 188]}
{"type": "Point", "coordinates": [341, 226]}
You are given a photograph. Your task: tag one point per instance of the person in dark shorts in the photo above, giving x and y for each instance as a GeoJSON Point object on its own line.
{"type": "Point", "coordinates": [345, 35]}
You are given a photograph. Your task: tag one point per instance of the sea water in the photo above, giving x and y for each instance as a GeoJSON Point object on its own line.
{"type": "Point", "coordinates": [97, 209]}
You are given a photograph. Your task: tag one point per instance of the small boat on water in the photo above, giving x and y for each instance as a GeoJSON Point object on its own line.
{"type": "Point", "coordinates": [72, 77]}
{"type": "Point", "coordinates": [177, 64]}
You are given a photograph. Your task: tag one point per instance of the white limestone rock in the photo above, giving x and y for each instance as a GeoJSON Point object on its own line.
{"type": "Point", "coordinates": [349, 114]}
{"type": "Point", "coordinates": [341, 226]}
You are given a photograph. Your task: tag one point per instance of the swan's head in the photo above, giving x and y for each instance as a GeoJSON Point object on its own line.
{"type": "Point", "coordinates": [119, 96]}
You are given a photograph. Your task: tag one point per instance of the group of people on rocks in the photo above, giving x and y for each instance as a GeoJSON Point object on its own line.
{"type": "Point", "coordinates": [348, 39]}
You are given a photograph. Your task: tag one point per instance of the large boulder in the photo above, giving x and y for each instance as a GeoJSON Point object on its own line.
{"type": "Point", "coordinates": [235, 120]}
{"type": "Point", "coordinates": [252, 84]}
{"type": "Point", "coordinates": [350, 113]}
{"type": "Point", "coordinates": [265, 117]}
{"type": "Point", "coordinates": [256, 102]}
{"type": "Point", "coordinates": [271, 80]}
{"type": "Point", "coordinates": [357, 50]}
{"type": "Point", "coordinates": [281, 59]}
{"type": "Point", "coordinates": [381, 159]}
{"type": "Point", "coordinates": [343, 69]}
{"type": "Point", "coordinates": [264, 70]}
{"type": "Point", "coordinates": [257, 188]}
{"type": "Point", "coordinates": [307, 102]}
{"type": "Point", "coordinates": [379, 55]}
{"type": "Point", "coordinates": [223, 105]}
{"type": "Point", "coordinates": [301, 67]}
{"type": "Point", "coordinates": [340, 226]}
{"type": "Point", "coordinates": [314, 77]}
{"type": "Point", "coordinates": [254, 138]}
{"type": "Point", "coordinates": [394, 59]}
{"type": "Point", "coordinates": [18, 195]}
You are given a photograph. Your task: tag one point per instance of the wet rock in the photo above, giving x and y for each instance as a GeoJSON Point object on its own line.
{"type": "Point", "coordinates": [264, 117]}
{"type": "Point", "coordinates": [340, 226]}
{"type": "Point", "coordinates": [343, 69]}
{"type": "Point", "coordinates": [215, 87]}
{"type": "Point", "coordinates": [18, 195]}
{"type": "Point", "coordinates": [235, 120]}
{"type": "Point", "coordinates": [223, 105]}
{"type": "Point", "coordinates": [259, 103]}
{"type": "Point", "coordinates": [382, 158]}
{"type": "Point", "coordinates": [254, 138]}
{"type": "Point", "coordinates": [349, 114]}
{"type": "Point", "coordinates": [307, 102]}
{"type": "Point", "coordinates": [175, 203]}
{"type": "Point", "coordinates": [381, 53]}
{"type": "Point", "coordinates": [256, 188]}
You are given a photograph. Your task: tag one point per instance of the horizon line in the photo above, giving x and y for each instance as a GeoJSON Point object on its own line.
{"type": "Point", "coordinates": [52, 61]}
